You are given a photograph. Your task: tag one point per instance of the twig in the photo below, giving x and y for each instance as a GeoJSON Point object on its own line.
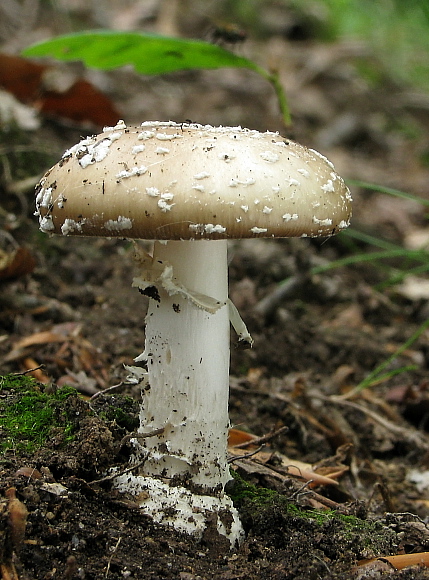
{"type": "Point", "coordinates": [113, 475]}
{"type": "Point", "coordinates": [408, 435]}
{"type": "Point", "coordinates": [329, 503]}
{"type": "Point", "coordinates": [268, 305]}
{"type": "Point", "coordinates": [111, 557]}
{"type": "Point", "coordinates": [103, 391]}
{"type": "Point", "coordinates": [22, 373]}
{"type": "Point", "coordinates": [141, 435]}
{"type": "Point", "coordinates": [298, 491]}
{"type": "Point", "coordinates": [246, 455]}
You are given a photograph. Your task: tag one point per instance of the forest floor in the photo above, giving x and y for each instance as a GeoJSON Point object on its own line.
{"type": "Point", "coordinates": [70, 307]}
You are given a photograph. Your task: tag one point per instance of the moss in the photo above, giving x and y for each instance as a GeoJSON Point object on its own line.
{"type": "Point", "coordinates": [31, 413]}
{"type": "Point", "coordinates": [123, 410]}
{"type": "Point", "coordinates": [263, 510]}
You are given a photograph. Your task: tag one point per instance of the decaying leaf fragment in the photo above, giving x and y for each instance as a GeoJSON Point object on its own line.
{"type": "Point", "coordinates": [13, 521]}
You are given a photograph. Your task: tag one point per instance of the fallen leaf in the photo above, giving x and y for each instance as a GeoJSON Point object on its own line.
{"type": "Point", "coordinates": [237, 437]}
{"type": "Point", "coordinates": [401, 561]}
{"type": "Point", "coordinates": [34, 83]}
{"type": "Point", "coordinates": [17, 263]}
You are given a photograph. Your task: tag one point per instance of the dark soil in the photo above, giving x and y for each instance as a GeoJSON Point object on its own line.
{"type": "Point", "coordinates": [318, 338]}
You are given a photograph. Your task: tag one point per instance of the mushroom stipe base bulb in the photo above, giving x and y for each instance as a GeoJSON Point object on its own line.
{"type": "Point", "coordinates": [192, 188]}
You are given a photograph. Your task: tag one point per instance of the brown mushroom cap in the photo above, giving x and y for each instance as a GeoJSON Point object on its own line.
{"type": "Point", "coordinates": [169, 181]}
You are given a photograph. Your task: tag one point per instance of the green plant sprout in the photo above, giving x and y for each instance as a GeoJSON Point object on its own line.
{"type": "Point", "coordinates": [387, 250]}
{"type": "Point", "coordinates": [377, 376]}
{"type": "Point", "coordinates": [150, 55]}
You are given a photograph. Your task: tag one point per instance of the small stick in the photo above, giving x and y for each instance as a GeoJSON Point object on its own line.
{"type": "Point", "coordinates": [141, 435]}
{"type": "Point", "coordinates": [102, 391]}
{"type": "Point", "coordinates": [22, 373]}
{"type": "Point", "coordinates": [113, 553]}
{"type": "Point", "coordinates": [110, 477]}
{"type": "Point", "coordinates": [246, 455]}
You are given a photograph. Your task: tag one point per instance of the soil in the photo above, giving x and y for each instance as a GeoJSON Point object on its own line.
{"type": "Point", "coordinates": [70, 307]}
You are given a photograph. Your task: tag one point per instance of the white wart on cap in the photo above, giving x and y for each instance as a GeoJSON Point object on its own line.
{"type": "Point", "coordinates": [172, 181]}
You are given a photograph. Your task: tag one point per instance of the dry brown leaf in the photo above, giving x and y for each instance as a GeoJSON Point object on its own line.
{"type": "Point", "coordinates": [41, 85]}
{"type": "Point", "coordinates": [16, 263]}
{"type": "Point", "coordinates": [401, 561]}
{"type": "Point", "coordinates": [238, 437]}
{"type": "Point", "coordinates": [260, 463]}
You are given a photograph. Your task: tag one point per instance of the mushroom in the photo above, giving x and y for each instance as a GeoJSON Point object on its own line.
{"type": "Point", "coordinates": [189, 188]}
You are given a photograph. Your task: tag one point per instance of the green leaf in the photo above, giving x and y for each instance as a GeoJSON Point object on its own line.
{"type": "Point", "coordinates": [149, 54]}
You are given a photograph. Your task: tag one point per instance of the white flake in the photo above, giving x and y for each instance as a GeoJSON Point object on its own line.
{"type": "Point", "coordinates": [114, 136]}
{"type": "Point", "coordinates": [236, 182]}
{"type": "Point", "coordinates": [167, 136]}
{"type": "Point", "coordinates": [304, 172]}
{"type": "Point", "coordinates": [86, 160]}
{"type": "Point", "coordinates": [167, 196]}
{"type": "Point", "coordinates": [122, 223]}
{"type": "Point", "coordinates": [164, 206]}
{"type": "Point", "coordinates": [207, 228]}
{"type": "Point", "coordinates": [131, 172]}
{"type": "Point", "coordinates": [120, 125]}
{"type": "Point", "coordinates": [46, 224]}
{"type": "Point", "coordinates": [144, 135]}
{"type": "Point", "coordinates": [152, 191]}
{"type": "Point", "coordinates": [100, 150]}
{"type": "Point", "coordinates": [214, 229]}
{"type": "Point", "coordinates": [138, 149]}
{"type": "Point", "coordinates": [269, 156]}
{"type": "Point", "coordinates": [162, 151]}
{"type": "Point", "coordinates": [290, 217]}
{"type": "Point", "coordinates": [324, 222]}
{"type": "Point", "coordinates": [44, 198]}
{"type": "Point", "coordinates": [328, 187]}
{"type": "Point", "coordinates": [343, 224]}
{"type": "Point", "coordinates": [293, 182]}
{"type": "Point", "coordinates": [267, 209]}
{"type": "Point", "coordinates": [202, 175]}
{"type": "Point", "coordinates": [256, 230]}
{"type": "Point", "coordinates": [70, 226]}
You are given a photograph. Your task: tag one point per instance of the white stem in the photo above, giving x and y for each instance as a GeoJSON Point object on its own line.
{"type": "Point", "coordinates": [187, 352]}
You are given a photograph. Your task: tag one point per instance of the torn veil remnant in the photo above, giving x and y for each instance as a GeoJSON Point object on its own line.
{"type": "Point", "coordinates": [190, 188]}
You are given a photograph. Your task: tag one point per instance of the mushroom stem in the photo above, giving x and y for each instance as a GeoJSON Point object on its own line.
{"type": "Point", "coordinates": [187, 353]}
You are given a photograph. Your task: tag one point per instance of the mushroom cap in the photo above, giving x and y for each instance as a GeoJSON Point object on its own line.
{"type": "Point", "coordinates": [172, 181]}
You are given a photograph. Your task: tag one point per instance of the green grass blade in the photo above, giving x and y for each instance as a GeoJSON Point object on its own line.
{"type": "Point", "coordinates": [417, 255]}
{"type": "Point", "coordinates": [388, 190]}
{"type": "Point", "coordinates": [376, 374]}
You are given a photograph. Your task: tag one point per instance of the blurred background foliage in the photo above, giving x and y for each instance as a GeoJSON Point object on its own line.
{"type": "Point", "coordinates": [396, 33]}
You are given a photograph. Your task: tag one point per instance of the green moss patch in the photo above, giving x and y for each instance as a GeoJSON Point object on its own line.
{"type": "Point", "coordinates": [280, 521]}
{"type": "Point", "coordinates": [30, 414]}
